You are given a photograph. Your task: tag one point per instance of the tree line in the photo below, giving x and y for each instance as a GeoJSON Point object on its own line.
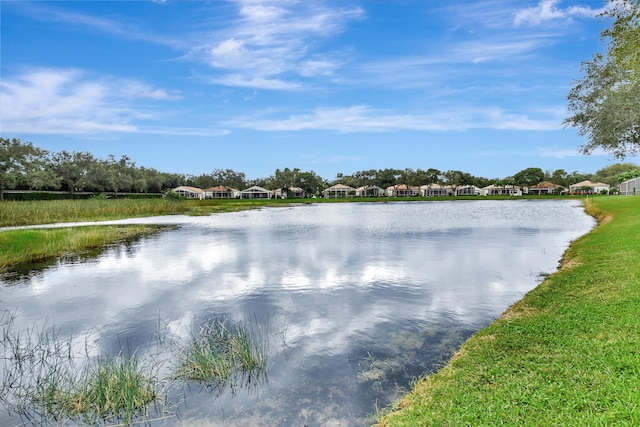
{"type": "Point", "coordinates": [24, 166]}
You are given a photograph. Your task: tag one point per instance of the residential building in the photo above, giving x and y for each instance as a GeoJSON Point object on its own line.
{"type": "Point", "coordinates": [256, 192]}
{"type": "Point", "coordinates": [189, 192]}
{"type": "Point", "coordinates": [338, 191]}
{"type": "Point", "coordinates": [544, 188]}
{"type": "Point", "coordinates": [588, 187]}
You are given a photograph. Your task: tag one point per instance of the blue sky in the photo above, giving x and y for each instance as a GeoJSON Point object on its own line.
{"type": "Point", "coordinates": [329, 86]}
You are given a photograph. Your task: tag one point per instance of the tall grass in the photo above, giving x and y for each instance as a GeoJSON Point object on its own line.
{"type": "Point", "coordinates": [223, 355]}
{"type": "Point", "coordinates": [45, 379]}
{"type": "Point", "coordinates": [53, 211]}
{"type": "Point", "coordinates": [113, 389]}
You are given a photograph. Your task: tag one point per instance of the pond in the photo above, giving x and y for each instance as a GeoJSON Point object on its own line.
{"type": "Point", "coordinates": [355, 300]}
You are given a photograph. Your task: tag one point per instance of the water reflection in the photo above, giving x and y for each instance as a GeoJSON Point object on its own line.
{"type": "Point", "coordinates": [364, 297]}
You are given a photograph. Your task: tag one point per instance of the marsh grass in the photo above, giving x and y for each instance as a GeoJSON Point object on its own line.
{"type": "Point", "coordinates": [50, 379]}
{"type": "Point", "coordinates": [113, 389]}
{"type": "Point", "coordinates": [23, 247]}
{"type": "Point", "coordinates": [53, 211]}
{"type": "Point", "coordinates": [222, 355]}
{"type": "Point", "coordinates": [566, 354]}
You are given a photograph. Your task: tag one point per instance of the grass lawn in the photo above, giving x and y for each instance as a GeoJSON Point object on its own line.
{"type": "Point", "coordinates": [567, 354]}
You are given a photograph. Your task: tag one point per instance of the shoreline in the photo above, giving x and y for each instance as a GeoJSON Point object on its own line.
{"type": "Point", "coordinates": [550, 358]}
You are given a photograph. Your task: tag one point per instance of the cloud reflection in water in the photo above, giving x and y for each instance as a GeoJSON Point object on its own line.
{"type": "Point", "coordinates": [339, 279]}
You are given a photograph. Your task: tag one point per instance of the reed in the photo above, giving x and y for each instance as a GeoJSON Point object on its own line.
{"type": "Point", "coordinates": [20, 213]}
{"type": "Point", "coordinates": [47, 381]}
{"type": "Point", "coordinates": [115, 389]}
{"type": "Point", "coordinates": [221, 355]}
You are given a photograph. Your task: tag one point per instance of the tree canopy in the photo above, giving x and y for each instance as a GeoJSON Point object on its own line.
{"type": "Point", "coordinates": [605, 102]}
{"type": "Point", "coordinates": [17, 159]}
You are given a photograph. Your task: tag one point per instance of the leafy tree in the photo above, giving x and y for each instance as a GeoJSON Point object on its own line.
{"type": "Point", "coordinates": [204, 181]}
{"type": "Point", "coordinates": [17, 159]}
{"type": "Point", "coordinates": [72, 168]}
{"type": "Point", "coordinates": [605, 102]}
{"type": "Point", "coordinates": [229, 178]}
{"type": "Point", "coordinates": [575, 177]}
{"type": "Point", "coordinates": [349, 180]}
{"type": "Point", "coordinates": [310, 182]}
{"type": "Point", "coordinates": [560, 177]}
{"type": "Point", "coordinates": [627, 175]}
{"type": "Point", "coordinates": [456, 178]}
{"type": "Point", "coordinates": [528, 177]}
{"type": "Point", "coordinates": [608, 174]}
{"type": "Point", "coordinates": [432, 176]}
{"type": "Point", "coordinates": [388, 177]}
{"type": "Point", "coordinates": [120, 173]}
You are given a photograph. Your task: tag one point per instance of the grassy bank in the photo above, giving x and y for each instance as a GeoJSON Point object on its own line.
{"type": "Point", "coordinates": [567, 354]}
{"type": "Point", "coordinates": [22, 247]}
{"type": "Point", "coordinates": [52, 211]}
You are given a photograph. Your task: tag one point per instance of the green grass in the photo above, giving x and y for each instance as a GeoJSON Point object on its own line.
{"type": "Point", "coordinates": [114, 389]}
{"type": "Point", "coordinates": [25, 247]}
{"type": "Point", "coordinates": [53, 211]}
{"type": "Point", "coordinates": [567, 354]}
{"type": "Point", "coordinates": [45, 381]}
{"type": "Point", "coordinates": [221, 355]}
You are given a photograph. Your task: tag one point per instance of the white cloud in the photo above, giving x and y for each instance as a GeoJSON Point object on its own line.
{"type": "Point", "coordinates": [564, 153]}
{"type": "Point", "coordinates": [70, 101]}
{"type": "Point", "coordinates": [121, 28]}
{"type": "Point", "coordinates": [363, 118]}
{"type": "Point", "coordinates": [272, 41]}
{"type": "Point", "coordinates": [242, 80]}
{"type": "Point", "coordinates": [547, 10]}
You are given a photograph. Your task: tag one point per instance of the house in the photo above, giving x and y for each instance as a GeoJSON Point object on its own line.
{"type": "Point", "coordinates": [403, 190]}
{"type": "Point", "coordinates": [256, 192]}
{"type": "Point", "coordinates": [588, 187]}
{"type": "Point", "coordinates": [221, 192]}
{"type": "Point", "coordinates": [502, 190]}
{"type": "Point", "coordinates": [338, 191]}
{"type": "Point", "coordinates": [436, 190]}
{"type": "Point", "coordinates": [289, 193]}
{"type": "Point", "coordinates": [630, 187]}
{"type": "Point", "coordinates": [189, 192]}
{"type": "Point", "coordinates": [370, 191]}
{"type": "Point", "coordinates": [543, 188]}
{"type": "Point", "coordinates": [468, 190]}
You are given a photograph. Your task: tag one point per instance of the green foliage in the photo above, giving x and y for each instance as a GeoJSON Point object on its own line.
{"type": "Point", "coordinates": [528, 177]}
{"type": "Point", "coordinates": [17, 160]}
{"type": "Point", "coordinates": [627, 175]}
{"type": "Point", "coordinates": [114, 389]}
{"type": "Point", "coordinates": [611, 174]}
{"type": "Point", "coordinates": [605, 102]}
{"type": "Point", "coordinates": [220, 355]}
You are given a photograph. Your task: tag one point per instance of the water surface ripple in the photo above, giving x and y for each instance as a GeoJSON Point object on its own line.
{"type": "Point", "coordinates": [360, 298]}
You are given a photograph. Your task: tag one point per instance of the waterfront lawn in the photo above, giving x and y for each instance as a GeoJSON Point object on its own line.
{"type": "Point", "coordinates": [567, 354]}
